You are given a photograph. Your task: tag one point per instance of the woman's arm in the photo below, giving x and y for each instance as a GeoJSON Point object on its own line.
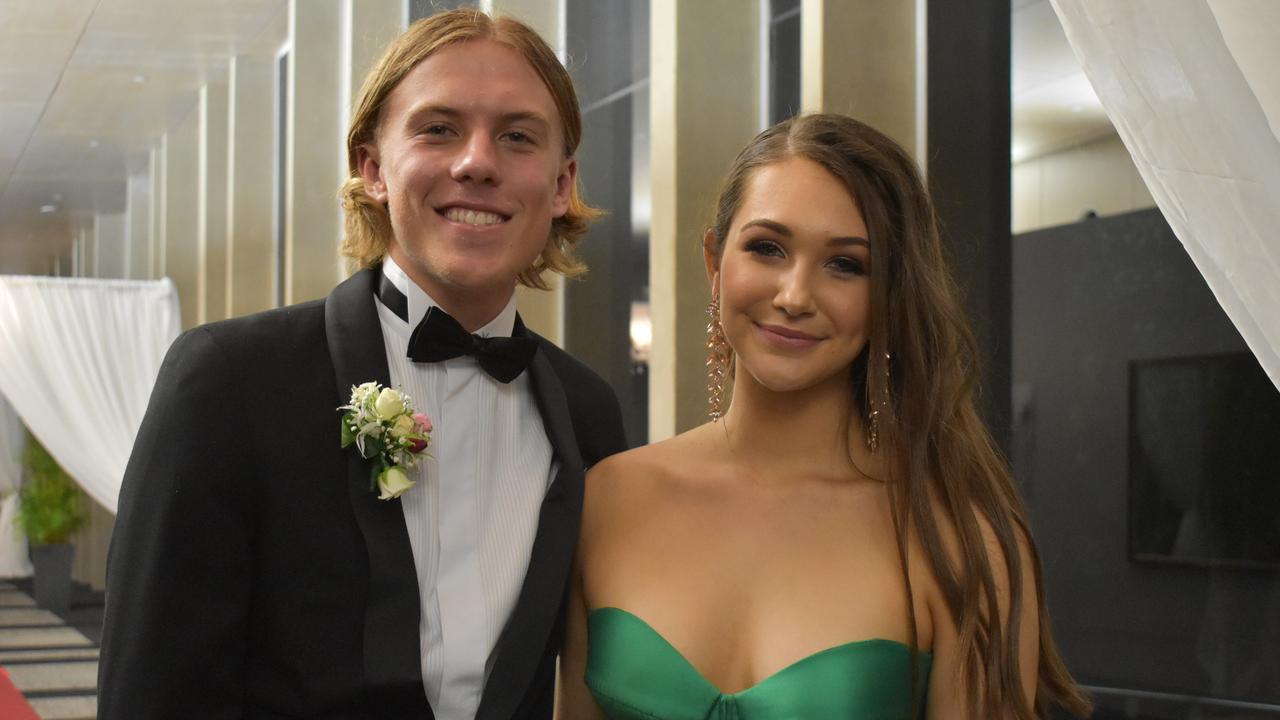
{"type": "Point", "coordinates": [947, 698]}
{"type": "Point", "coordinates": [573, 700]}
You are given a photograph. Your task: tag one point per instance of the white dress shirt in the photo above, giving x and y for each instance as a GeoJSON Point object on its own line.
{"type": "Point", "coordinates": [473, 515]}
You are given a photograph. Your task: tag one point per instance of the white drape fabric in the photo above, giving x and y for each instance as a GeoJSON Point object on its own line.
{"type": "Point", "coordinates": [14, 561]}
{"type": "Point", "coordinates": [78, 358]}
{"type": "Point", "coordinates": [1192, 89]}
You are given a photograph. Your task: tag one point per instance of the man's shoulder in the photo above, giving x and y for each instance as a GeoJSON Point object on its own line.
{"type": "Point", "coordinates": [251, 338]}
{"type": "Point", "coordinates": [267, 328]}
{"type": "Point", "coordinates": [274, 320]}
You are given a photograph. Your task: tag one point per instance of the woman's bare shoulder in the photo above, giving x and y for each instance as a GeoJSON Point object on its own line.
{"type": "Point", "coordinates": [638, 478]}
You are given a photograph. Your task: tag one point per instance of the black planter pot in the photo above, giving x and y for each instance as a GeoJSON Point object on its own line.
{"type": "Point", "coordinates": [52, 565]}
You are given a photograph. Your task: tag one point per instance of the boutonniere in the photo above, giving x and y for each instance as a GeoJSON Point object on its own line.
{"type": "Point", "coordinates": [384, 427]}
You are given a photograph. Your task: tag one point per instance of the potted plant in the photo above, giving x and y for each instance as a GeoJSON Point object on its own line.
{"type": "Point", "coordinates": [49, 512]}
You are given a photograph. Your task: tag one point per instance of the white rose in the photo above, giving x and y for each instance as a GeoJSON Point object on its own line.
{"type": "Point", "coordinates": [389, 404]}
{"type": "Point", "coordinates": [393, 483]}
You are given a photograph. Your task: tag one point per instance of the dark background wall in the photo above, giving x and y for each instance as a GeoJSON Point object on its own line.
{"type": "Point", "coordinates": [608, 57]}
{"type": "Point", "coordinates": [969, 177]}
{"type": "Point", "coordinates": [1087, 299]}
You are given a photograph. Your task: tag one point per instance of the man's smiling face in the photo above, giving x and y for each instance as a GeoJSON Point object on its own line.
{"type": "Point", "coordinates": [470, 159]}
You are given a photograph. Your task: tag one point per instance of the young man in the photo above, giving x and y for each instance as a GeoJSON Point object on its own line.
{"type": "Point", "coordinates": [253, 572]}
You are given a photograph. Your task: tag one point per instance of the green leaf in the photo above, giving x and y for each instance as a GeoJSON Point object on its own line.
{"type": "Point", "coordinates": [348, 435]}
{"type": "Point", "coordinates": [372, 448]}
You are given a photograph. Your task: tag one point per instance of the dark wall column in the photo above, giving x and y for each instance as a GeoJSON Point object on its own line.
{"type": "Point", "coordinates": [969, 176]}
{"type": "Point", "coordinates": [607, 44]}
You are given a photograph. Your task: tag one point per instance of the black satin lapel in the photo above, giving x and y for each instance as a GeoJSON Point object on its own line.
{"type": "Point", "coordinates": [523, 643]}
{"type": "Point", "coordinates": [554, 408]}
{"type": "Point", "coordinates": [392, 659]}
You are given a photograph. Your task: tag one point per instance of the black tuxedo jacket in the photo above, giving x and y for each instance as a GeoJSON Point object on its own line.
{"type": "Point", "coordinates": [252, 573]}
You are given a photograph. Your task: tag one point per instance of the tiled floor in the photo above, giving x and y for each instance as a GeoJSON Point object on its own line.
{"type": "Point", "coordinates": [51, 658]}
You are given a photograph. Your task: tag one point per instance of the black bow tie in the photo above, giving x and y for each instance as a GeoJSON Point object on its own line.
{"type": "Point", "coordinates": [439, 337]}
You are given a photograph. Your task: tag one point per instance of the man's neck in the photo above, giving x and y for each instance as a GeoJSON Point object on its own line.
{"type": "Point", "coordinates": [472, 312]}
{"type": "Point", "coordinates": [473, 308]}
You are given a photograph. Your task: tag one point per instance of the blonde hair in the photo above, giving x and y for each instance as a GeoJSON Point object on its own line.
{"type": "Point", "coordinates": [368, 223]}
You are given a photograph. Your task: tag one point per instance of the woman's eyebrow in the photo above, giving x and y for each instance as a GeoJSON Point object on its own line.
{"type": "Point", "coordinates": [773, 225]}
{"type": "Point", "coordinates": [785, 231]}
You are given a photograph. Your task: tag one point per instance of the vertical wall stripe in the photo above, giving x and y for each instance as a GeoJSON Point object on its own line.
{"type": "Point", "coordinates": [202, 208]}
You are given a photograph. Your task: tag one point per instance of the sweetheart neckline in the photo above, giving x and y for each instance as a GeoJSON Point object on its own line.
{"type": "Point", "coordinates": [770, 677]}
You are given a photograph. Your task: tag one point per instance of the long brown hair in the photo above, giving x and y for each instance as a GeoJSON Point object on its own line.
{"type": "Point", "coordinates": [919, 370]}
{"type": "Point", "coordinates": [368, 224]}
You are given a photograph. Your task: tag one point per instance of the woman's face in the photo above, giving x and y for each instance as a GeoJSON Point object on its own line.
{"type": "Point", "coordinates": [794, 278]}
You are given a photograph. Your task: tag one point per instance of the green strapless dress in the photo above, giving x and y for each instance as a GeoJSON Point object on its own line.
{"type": "Point", "coordinates": [635, 674]}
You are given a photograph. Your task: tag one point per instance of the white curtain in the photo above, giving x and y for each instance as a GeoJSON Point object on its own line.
{"type": "Point", "coordinates": [1193, 89]}
{"type": "Point", "coordinates": [13, 543]}
{"type": "Point", "coordinates": [77, 361]}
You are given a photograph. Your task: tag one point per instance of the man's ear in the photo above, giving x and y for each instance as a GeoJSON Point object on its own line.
{"type": "Point", "coordinates": [711, 257]}
{"type": "Point", "coordinates": [367, 162]}
{"type": "Point", "coordinates": [564, 187]}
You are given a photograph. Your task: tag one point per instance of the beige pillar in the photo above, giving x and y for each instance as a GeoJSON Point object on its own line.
{"type": "Point", "coordinates": [374, 24]}
{"type": "Point", "coordinates": [84, 254]}
{"type": "Point", "coordinates": [212, 256]}
{"type": "Point", "coordinates": [109, 242]}
{"type": "Point", "coordinates": [251, 174]}
{"type": "Point", "coordinates": [252, 169]}
{"type": "Point", "coordinates": [314, 156]}
{"type": "Point", "coordinates": [704, 98]}
{"type": "Point", "coordinates": [858, 57]}
{"type": "Point", "coordinates": [181, 249]}
{"type": "Point", "coordinates": [140, 221]}
{"type": "Point", "coordinates": [95, 254]}
{"type": "Point", "coordinates": [159, 207]}
{"type": "Point", "coordinates": [541, 310]}
{"type": "Point", "coordinates": [89, 247]}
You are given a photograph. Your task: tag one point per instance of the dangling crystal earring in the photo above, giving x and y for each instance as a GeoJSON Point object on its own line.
{"type": "Point", "coordinates": [717, 360]}
{"type": "Point", "coordinates": [873, 417]}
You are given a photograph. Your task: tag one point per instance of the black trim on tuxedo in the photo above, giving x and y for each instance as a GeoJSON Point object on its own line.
{"type": "Point", "coordinates": [529, 629]}
{"type": "Point", "coordinates": [392, 653]}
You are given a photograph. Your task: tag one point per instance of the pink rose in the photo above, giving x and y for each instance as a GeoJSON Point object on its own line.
{"type": "Point", "coordinates": [423, 421]}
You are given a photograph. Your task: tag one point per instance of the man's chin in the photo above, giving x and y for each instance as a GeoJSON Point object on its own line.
{"type": "Point", "coordinates": [479, 283]}
{"type": "Point", "coordinates": [480, 270]}
{"type": "Point", "coordinates": [461, 273]}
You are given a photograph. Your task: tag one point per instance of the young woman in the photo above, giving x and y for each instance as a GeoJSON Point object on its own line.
{"type": "Point", "coordinates": [846, 541]}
